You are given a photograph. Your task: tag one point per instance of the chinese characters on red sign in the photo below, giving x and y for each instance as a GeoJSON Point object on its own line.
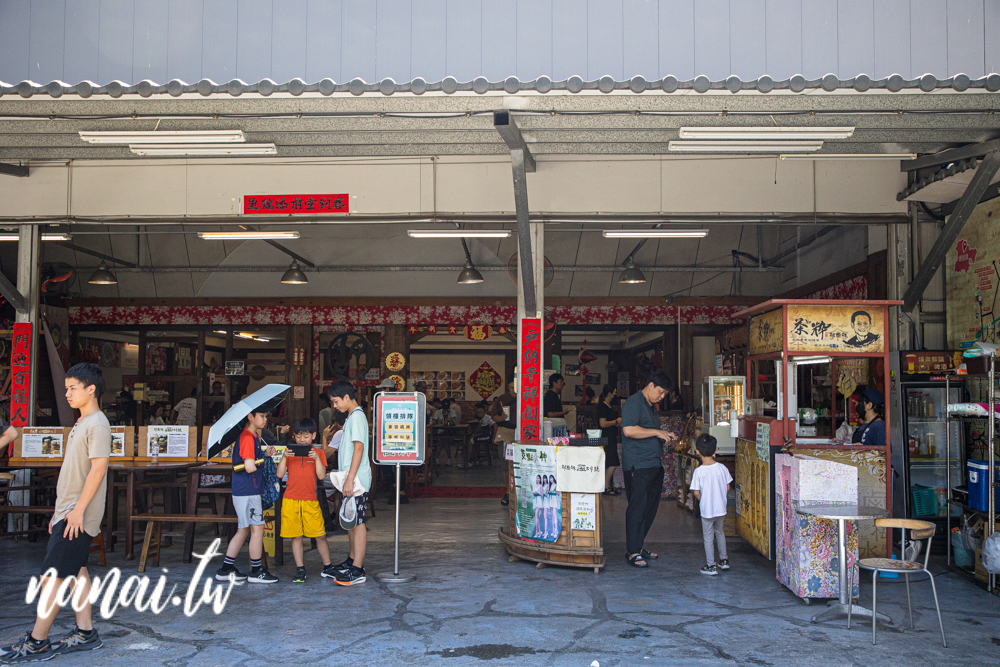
{"type": "Point", "coordinates": [20, 365]}
{"type": "Point", "coordinates": [530, 395]}
{"type": "Point", "coordinates": [295, 204]}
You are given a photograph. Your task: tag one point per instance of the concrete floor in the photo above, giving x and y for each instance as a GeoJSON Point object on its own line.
{"type": "Point", "coordinates": [469, 606]}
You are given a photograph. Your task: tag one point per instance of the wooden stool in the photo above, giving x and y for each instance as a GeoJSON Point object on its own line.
{"type": "Point", "coordinates": [152, 542]}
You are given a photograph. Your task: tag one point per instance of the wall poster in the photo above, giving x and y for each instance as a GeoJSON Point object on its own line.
{"type": "Point", "coordinates": [765, 335]}
{"type": "Point", "coordinates": [972, 274]}
{"type": "Point", "coordinates": [835, 329]}
{"type": "Point", "coordinates": [539, 504]}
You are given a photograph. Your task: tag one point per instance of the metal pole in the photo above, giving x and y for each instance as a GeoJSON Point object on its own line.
{"type": "Point", "coordinates": [846, 578]}
{"type": "Point", "coordinates": [395, 569]}
{"type": "Point", "coordinates": [947, 465]}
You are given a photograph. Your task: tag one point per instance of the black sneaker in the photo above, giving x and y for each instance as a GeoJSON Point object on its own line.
{"type": "Point", "coordinates": [352, 577]}
{"type": "Point", "coordinates": [261, 576]}
{"type": "Point", "coordinates": [710, 570]}
{"type": "Point", "coordinates": [223, 574]}
{"type": "Point", "coordinates": [724, 564]}
{"type": "Point", "coordinates": [300, 575]}
{"type": "Point", "coordinates": [329, 571]}
{"type": "Point", "coordinates": [342, 567]}
{"type": "Point", "coordinates": [26, 650]}
{"type": "Point", "coordinates": [78, 640]}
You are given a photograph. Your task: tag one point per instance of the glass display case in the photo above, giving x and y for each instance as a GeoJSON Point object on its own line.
{"type": "Point", "coordinates": [723, 399]}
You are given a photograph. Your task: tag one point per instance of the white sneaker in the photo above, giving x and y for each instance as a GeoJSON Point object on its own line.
{"type": "Point", "coordinates": [449, 463]}
{"type": "Point", "coordinates": [261, 577]}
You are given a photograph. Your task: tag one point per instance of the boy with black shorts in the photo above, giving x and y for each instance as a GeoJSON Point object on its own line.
{"type": "Point", "coordinates": [301, 515]}
{"type": "Point", "coordinates": [247, 487]}
{"type": "Point", "coordinates": [80, 494]}
{"type": "Point", "coordinates": [352, 457]}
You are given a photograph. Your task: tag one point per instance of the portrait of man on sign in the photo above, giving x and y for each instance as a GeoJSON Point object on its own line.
{"type": "Point", "coordinates": [861, 322]}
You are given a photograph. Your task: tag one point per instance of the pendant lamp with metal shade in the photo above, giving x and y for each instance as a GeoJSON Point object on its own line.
{"type": "Point", "coordinates": [469, 275]}
{"type": "Point", "coordinates": [294, 275]}
{"type": "Point", "coordinates": [631, 275]}
{"type": "Point", "coordinates": [102, 276]}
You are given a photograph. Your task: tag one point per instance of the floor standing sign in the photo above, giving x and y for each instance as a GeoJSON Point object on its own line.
{"type": "Point", "coordinates": [400, 439]}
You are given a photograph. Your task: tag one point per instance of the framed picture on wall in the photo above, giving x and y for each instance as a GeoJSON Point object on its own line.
{"type": "Point", "coordinates": [593, 379]}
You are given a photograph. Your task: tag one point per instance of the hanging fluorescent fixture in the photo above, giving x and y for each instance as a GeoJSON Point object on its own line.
{"type": "Point", "coordinates": [851, 156]}
{"type": "Point", "coordinates": [458, 233]}
{"type": "Point", "coordinates": [768, 133]}
{"type": "Point", "coordinates": [655, 233]}
{"type": "Point", "coordinates": [804, 361]}
{"type": "Point", "coordinates": [196, 150]}
{"type": "Point", "coordinates": [7, 236]}
{"type": "Point", "coordinates": [165, 137]}
{"type": "Point", "coordinates": [706, 146]}
{"type": "Point", "coordinates": [246, 236]}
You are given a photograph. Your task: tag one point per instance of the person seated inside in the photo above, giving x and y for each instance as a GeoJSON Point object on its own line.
{"type": "Point", "coordinates": [480, 432]}
{"type": "Point", "coordinates": [448, 413]}
{"type": "Point", "coordinates": [552, 404]}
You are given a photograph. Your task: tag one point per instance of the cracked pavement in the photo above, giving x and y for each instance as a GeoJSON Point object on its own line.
{"type": "Point", "coordinates": [469, 606]}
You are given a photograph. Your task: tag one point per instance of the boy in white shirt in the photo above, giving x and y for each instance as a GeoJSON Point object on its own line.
{"type": "Point", "coordinates": [710, 484]}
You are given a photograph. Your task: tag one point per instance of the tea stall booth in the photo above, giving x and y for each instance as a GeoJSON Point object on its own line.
{"type": "Point", "coordinates": [807, 360]}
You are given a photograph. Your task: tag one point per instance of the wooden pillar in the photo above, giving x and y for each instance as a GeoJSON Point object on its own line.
{"type": "Point", "coordinates": [140, 375]}
{"type": "Point", "coordinates": [529, 389]}
{"type": "Point", "coordinates": [300, 337]}
{"type": "Point", "coordinates": [670, 353]}
{"type": "Point", "coordinates": [396, 340]}
{"type": "Point", "coordinates": [199, 372]}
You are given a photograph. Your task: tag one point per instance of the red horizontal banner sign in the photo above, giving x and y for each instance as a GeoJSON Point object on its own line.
{"type": "Point", "coordinates": [295, 204]}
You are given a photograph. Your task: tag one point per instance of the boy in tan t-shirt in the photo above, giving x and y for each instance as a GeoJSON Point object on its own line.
{"type": "Point", "coordinates": [80, 495]}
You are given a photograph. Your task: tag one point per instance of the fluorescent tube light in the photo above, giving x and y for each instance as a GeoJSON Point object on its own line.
{"type": "Point", "coordinates": [803, 361]}
{"type": "Point", "coordinates": [655, 233]}
{"type": "Point", "coordinates": [202, 149]}
{"type": "Point", "coordinates": [459, 233]}
{"type": "Point", "coordinates": [165, 137]}
{"type": "Point", "coordinates": [8, 236]}
{"type": "Point", "coordinates": [700, 146]}
{"type": "Point", "coordinates": [768, 133]}
{"type": "Point", "coordinates": [851, 156]}
{"type": "Point", "coordinates": [246, 236]}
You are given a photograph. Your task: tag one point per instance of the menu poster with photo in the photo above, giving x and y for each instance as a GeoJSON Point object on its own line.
{"type": "Point", "coordinates": [584, 511]}
{"type": "Point", "coordinates": [118, 441]}
{"type": "Point", "coordinates": [442, 384]}
{"type": "Point", "coordinates": [168, 441]}
{"type": "Point", "coordinates": [37, 442]}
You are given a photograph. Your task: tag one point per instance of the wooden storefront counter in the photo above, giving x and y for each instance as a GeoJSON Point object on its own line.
{"type": "Point", "coordinates": [574, 548]}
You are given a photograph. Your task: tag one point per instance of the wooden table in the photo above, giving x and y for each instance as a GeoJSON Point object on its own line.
{"type": "Point", "coordinates": [446, 436]}
{"type": "Point", "coordinates": [130, 468]}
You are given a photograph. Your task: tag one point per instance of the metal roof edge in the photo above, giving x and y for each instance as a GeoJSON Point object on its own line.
{"type": "Point", "coordinates": [511, 85]}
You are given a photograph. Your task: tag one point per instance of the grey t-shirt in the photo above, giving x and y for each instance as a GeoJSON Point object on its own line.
{"type": "Point", "coordinates": [641, 452]}
{"type": "Point", "coordinates": [90, 438]}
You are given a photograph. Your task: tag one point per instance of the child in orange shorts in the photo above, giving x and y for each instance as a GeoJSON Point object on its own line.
{"type": "Point", "coordinates": [300, 511]}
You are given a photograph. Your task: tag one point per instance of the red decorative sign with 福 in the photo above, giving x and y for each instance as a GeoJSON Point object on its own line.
{"type": "Point", "coordinates": [20, 369]}
{"type": "Point", "coordinates": [530, 386]}
{"type": "Point", "coordinates": [485, 381]}
{"type": "Point", "coordinates": [477, 331]}
{"type": "Point", "coordinates": [295, 204]}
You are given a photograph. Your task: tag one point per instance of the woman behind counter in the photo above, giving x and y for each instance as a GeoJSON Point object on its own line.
{"type": "Point", "coordinates": [609, 429]}
{"type": "Point", "coordinates": [871, 409]}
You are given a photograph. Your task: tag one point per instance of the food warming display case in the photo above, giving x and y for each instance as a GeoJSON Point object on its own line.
{"type": "Point", "coordinates": [723, 399]}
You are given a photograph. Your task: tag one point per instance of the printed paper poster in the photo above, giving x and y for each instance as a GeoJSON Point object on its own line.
{"type": "Point", "coordinates": [539, 503]}
{"type": "Point", "coordinates": [584, 511]}
{"type": "Point", "coordinates": [167, 440]}
{"type": "Point", "coordinates": [39, 442]}
{"type": "Point", "coordinates": [117, 441]}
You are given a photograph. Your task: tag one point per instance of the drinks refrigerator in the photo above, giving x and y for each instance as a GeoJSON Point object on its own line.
{"type": "Point", "coordinates": [921, 434]}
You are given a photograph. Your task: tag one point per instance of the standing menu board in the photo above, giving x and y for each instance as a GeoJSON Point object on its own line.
{"type": "Point", "coordinates": [169, 441]}
{"type": "Point", "coordinates": [400, 428]}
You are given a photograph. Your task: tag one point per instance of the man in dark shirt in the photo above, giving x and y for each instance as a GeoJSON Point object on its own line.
{"type": "Point", "coordinates": [642, 463]}
{"type": "Point", "coordinates": [505, 421]}
{"type": "Point", "coordinates": [552, 405]}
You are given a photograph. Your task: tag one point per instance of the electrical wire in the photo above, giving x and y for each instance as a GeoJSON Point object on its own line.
{"type": "Point", "coordinates": [691, 287]}
{"type": "Point", "coordinates": [915, 334]}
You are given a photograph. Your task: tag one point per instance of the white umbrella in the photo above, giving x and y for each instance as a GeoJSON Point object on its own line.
{"type": "Point", "coordinates": [225, 431]}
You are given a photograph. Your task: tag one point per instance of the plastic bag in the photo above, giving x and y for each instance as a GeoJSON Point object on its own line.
{"type": "Point", "coordinates": [991, 554]}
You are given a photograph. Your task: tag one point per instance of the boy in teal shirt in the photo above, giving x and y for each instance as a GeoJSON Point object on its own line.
{"type": "Point", "coordinates": [353, 458]}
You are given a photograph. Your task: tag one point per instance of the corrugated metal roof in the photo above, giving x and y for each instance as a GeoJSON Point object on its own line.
{"type": "Point", "coordinates": [511, 85]}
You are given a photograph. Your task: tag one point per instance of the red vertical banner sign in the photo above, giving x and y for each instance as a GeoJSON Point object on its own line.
{"type": "Point", "coordinates": [529, 420]}
{"type": "Point", "coordinates": [20, 368]}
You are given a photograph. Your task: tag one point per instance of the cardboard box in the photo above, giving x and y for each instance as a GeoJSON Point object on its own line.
{"type": "Point", "coordinates": [981, 573]}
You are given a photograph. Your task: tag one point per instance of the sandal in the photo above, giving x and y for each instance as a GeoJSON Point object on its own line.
{"type": "Point", "coordinates": [505, 501]}
{"type": "Point", "coordinates": [637, 560]}
{"type": "Point", "coordinates": [649, 556]}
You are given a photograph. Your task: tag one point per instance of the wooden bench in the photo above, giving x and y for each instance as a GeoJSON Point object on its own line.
{"type": "Point", "coordinates": [154, 531]}
{"type": "Point", "coordinates": [97, 543]}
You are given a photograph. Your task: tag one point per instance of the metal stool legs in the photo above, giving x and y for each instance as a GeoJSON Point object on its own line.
{"type": "Point", "coordinates": [938, 609]}
{"type": "Point", "coordinates": [874, 602]}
